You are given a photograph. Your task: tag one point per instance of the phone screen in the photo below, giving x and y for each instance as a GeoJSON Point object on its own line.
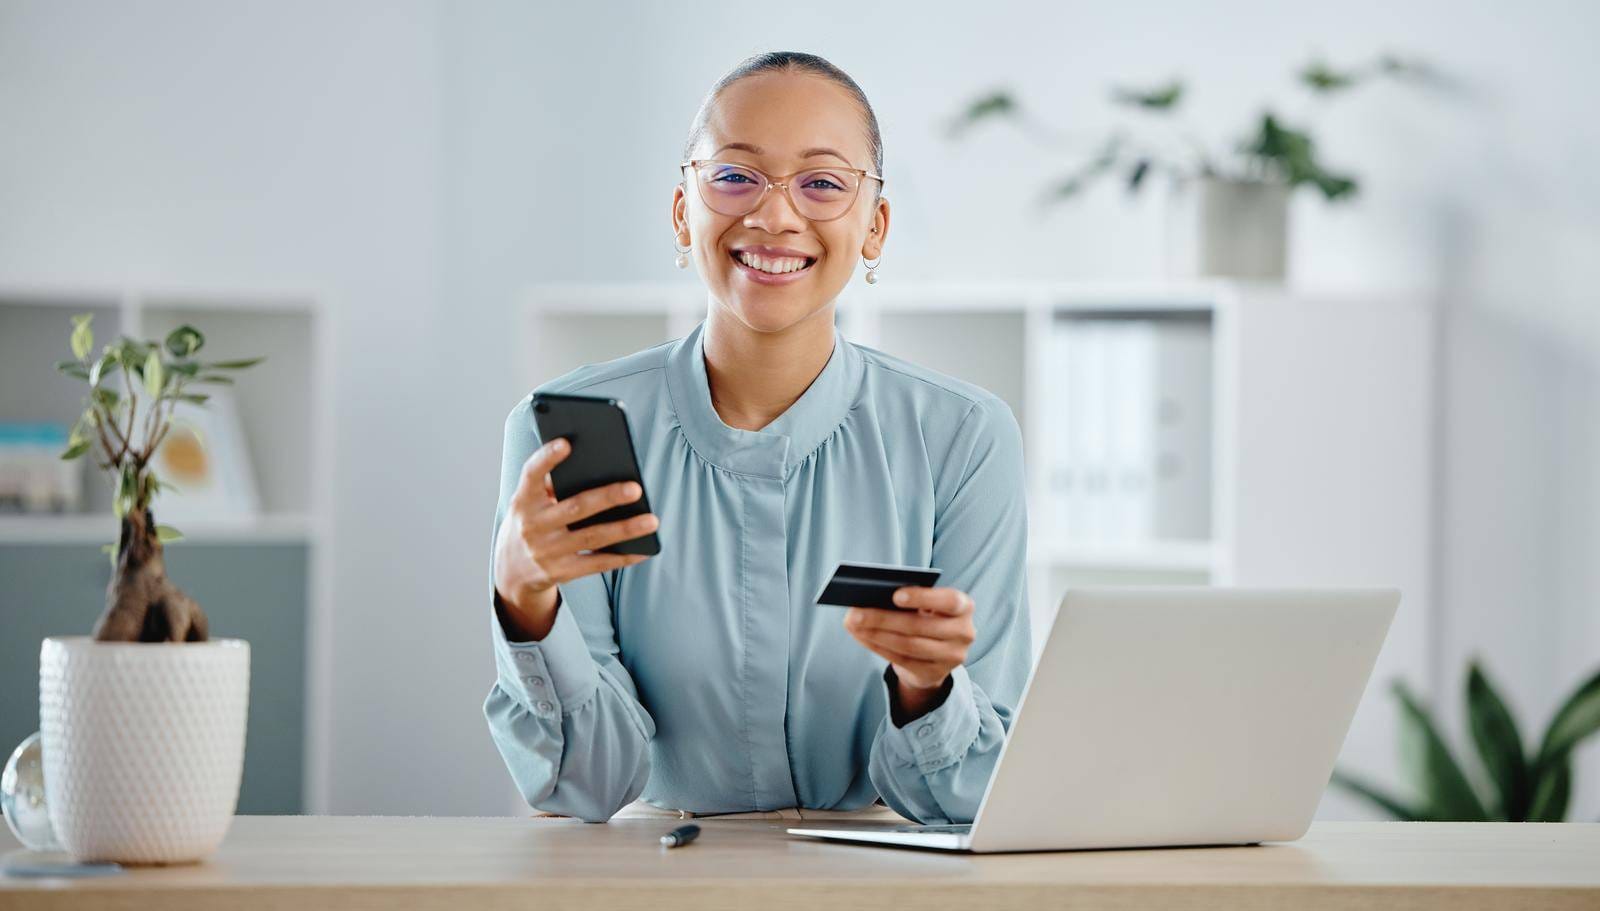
{"type": "Point", "coordinates": [602, 453]}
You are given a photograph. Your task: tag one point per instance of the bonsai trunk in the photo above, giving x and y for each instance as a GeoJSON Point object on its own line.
{"type": "Point", "coordinates": [142, 605]}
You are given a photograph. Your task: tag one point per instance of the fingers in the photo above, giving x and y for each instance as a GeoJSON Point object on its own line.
{"type": "Point", "coordinates": [911, 664]}
{"type": "Point", "coordinates": [580, 506]}
{"type": "Point", "coordinates": [562, 542]}
{"type": "Point", "coordinates": [944, 652]}
{"type": "Point", "coordinates": [949, 601]}
{"type": "Point", "coordinates": [536, 471]}
{"type": "Point", "coordinates": [927, 642]}
{"type": "Point", "coordinates": [911, 623]}
{"type": "Point", "coordinates": [579, 565]}
{"type": "Point", "coordinates": [919, 648]}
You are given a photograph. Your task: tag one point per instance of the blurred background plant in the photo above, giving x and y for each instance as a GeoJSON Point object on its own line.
{"type": "Point", "coordinates": [1523, 787]}
{"type": "Point", "coordinates": [1273, 152]}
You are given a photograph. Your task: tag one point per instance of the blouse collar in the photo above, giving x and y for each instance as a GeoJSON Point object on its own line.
{"type": "Point", "coordinates": [774, 450]}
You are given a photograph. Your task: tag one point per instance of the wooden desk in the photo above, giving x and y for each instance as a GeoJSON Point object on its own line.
{"type": "Point", "coordinates": [310, 862]}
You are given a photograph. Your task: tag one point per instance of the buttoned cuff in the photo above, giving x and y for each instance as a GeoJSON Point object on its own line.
{"type": "Point", "coordinates": [551, 677]}
{"type": "Point", "coordinates": [941, 737]}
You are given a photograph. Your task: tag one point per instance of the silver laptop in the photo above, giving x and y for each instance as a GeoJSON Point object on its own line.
{"type": "Point", "coordinates": [1172, 716]}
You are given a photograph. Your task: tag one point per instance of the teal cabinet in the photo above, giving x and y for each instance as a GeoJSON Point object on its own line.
{"type": "Point", "coordinates": [257, 591]}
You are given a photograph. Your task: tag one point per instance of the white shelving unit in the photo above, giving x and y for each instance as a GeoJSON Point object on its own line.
{"type": "Point", "coordinates": [1320, 409]}
{"type": "Point", "coordinates": [283, 405]}
{"type": "Point", "coordinates": [280, 401]}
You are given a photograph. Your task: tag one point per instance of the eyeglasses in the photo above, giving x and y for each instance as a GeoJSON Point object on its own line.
{"type": "Point", "coordinates": [825, 193]}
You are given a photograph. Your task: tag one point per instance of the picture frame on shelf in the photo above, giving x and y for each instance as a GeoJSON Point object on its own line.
{"type": "Point", "coordinates": [206, 460]}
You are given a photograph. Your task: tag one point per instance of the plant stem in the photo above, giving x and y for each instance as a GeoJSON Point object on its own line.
{"type": "Point", "coordinates": [100, 431]}
{"type": "Point", "coordinates": [133, 408]}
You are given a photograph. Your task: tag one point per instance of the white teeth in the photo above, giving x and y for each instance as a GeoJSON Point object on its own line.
{"type": "Point", "coordinates": [776, 265]}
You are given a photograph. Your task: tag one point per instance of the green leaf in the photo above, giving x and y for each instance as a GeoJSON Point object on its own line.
{"type": "Point", "coordinates": [78, 440]}
{"type": "Point", "coordinates": [1574, 721]}
{"type": "Point", "coordinates": [1074, 183]}
{"type": "Point", "coordinates": [1323, 78]}
{"type": "Point", "coordinates": [1499, 744]}
{"type": "Point", "coordinates": [127, 490]}
{"type": "Point", "coordinates": [154, 376]}
{"type": "Point", "coordinates": [1334, 186]}
{"type": "Point", "coordinates": [1161, 98]}
{"type": "Point", "coordinates": [195, 397]}
{"type": "Point", "coordinates": [999, 103]}
{"type": "Point", "coordinates": [111, 551]}
{"type": "Point", "coordinates": [131, 355]}
{"type": "Point", "coordinates": [1137, 175]}
{"type": "Point", "coordinates": [1445, 792]}
{"type": "Point", "coordinates": [184, 341]}
{"type": "Point", "coordinates": [107, 398]}
{"type": "Point", "coordinates": [186, 368]}
{"type": "Point", "coordinates": [82, 335]}
{"type": "Point", "coordinates": [216, 378]}
{"type": "Point", "coordinates": [73, 368]}
{"type": "Point", "coordinates": [1389, 804]}
{"type": "Point", "coordinates": [165, 533]}
{"type": "Point", "coordinates": [235, 365]}
{"type": "Point", "coordinates": [1551, 790]}
{"type": "Point", "coordinates": [106, 361]}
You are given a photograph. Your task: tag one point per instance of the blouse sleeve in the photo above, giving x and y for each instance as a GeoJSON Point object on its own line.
{"type": "Point", "coordinates": [563, 711]}
{"type": "Point", "coordinates": [935, 768]}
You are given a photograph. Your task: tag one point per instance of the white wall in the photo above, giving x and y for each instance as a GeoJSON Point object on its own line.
{"type": "Point", "coordinates": [423, 161]}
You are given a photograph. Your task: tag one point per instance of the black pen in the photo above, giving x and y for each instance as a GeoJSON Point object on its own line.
{"type": "Point", "coordinates": [680, 836]}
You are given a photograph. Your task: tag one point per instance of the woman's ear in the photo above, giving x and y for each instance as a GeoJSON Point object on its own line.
{"type": "Point", "coordinates": [877, 230]}
{"type": "Point", "coordinates": [680, 215]}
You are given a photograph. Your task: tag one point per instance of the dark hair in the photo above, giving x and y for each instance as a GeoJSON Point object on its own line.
{"type": "Point", "coordinates": [789, 62]}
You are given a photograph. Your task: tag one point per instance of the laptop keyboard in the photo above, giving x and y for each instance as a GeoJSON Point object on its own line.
{"type": "Point", "coordinates": [959, 829]}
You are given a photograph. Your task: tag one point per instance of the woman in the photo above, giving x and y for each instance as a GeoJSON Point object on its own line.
{"type": "Point", "coordinates": [705, 678]}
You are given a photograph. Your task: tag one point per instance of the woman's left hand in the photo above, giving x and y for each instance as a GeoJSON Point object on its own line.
{"type": "Point", "coordinates": [924, 641]}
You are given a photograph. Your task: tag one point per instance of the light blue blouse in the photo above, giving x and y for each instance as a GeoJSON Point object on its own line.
{"type": "Point", "coordinates": [707, 678]}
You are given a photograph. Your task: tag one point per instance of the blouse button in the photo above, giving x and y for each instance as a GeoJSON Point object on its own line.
{"type": "Point", "coordinates": [925, 730]}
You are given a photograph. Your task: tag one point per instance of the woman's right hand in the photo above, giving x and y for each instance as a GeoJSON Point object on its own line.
{"type": "Point", "coordinates": [535, 551]}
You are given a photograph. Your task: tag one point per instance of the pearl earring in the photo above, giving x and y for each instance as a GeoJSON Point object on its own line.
{"type": "Point", "coordinates": [872, 270]}
{"type": "Point", "coordinates": [683, 255]}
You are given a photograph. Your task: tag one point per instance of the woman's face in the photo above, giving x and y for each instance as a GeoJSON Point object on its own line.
{"type": "Point", "coordinates": [776, 122]}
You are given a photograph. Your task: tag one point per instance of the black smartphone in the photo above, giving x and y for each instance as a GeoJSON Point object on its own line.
{"type": "Point", "coordinates": [602, 453]}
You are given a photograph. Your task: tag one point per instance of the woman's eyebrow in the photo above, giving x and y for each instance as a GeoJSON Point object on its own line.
{"type": "Point", "coordinates": [757, 150]}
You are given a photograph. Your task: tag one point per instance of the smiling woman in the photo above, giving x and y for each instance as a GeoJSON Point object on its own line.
{"type": "Point", "coordinates": [705, 678]}
{"type": "Point", "coordinates": [801, 117]}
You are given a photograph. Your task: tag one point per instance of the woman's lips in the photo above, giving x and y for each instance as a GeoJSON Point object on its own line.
{"type": "Point", "coordinates": [769, 278]}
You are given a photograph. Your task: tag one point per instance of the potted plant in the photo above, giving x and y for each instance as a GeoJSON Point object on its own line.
{"type": "Point", "coordinates": [142, 723]}
{"type": "Point", "coordinates": [1231, 210]}
{"type": "Point", "coordinates": [1524, 786]}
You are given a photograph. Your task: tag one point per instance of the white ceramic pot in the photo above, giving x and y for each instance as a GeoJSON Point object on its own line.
{"type": "Point", "coordinates": [1227, 228]}
{"type": "Point", "coordinates": [143, 745]}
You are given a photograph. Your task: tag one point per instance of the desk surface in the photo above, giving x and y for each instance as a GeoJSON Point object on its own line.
{"type": "Point", "coordinates": [308, 862]}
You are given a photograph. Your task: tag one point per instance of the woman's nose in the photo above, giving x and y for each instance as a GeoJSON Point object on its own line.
{"type": "Point", "coordinates": [776, 214]}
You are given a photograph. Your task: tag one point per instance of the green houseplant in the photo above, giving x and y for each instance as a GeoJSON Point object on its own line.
{"type": "Point", "coordinates": [1243, 190]}
{"type": "Point", "coordinates": [142, 604]}
{"type": "Point", "coordinates": [142, 724]}
{"type": "Point", "coordinates": [1524, 786]}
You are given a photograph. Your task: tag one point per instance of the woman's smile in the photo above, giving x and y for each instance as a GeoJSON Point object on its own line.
{"type": "Point", "coordinates": [768, 265]}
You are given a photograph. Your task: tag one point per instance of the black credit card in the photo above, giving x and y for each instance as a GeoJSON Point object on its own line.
{"type": "Point", "coordinates": [872, 584]}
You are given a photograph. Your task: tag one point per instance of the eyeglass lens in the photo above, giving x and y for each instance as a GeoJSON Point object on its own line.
{"type": "Point", "coordinates": [819, 194]}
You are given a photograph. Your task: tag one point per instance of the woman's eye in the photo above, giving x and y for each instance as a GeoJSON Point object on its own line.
{"type": "Point", "coordinates": [731, 178]}
{"type": "Point", "coordinates": [822, 183]}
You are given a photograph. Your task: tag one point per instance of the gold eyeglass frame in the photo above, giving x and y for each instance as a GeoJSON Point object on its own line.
{"type": "Point", "coordinates": [782, 181]}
